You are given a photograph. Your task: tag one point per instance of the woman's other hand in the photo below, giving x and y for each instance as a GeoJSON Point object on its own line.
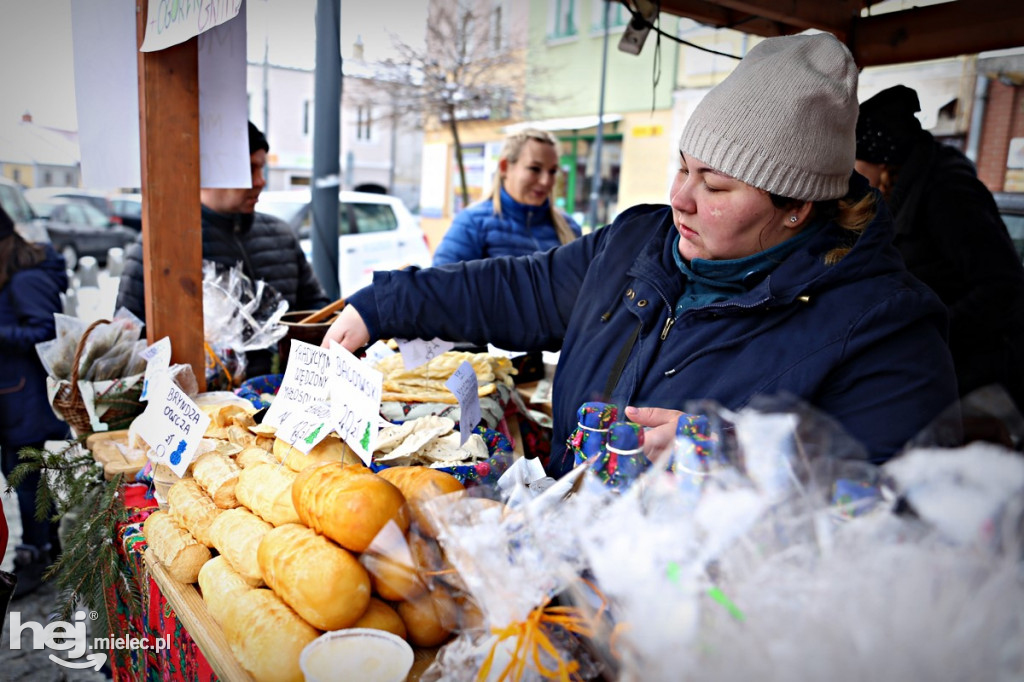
{"type": "Point", "coordinates": [660, 428]}
{"type": "Point", "coordinates": [349, 330]}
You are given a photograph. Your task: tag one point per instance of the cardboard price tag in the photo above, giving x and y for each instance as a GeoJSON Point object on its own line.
{"type": "Point", "coordinates": [463, 383]}
{"type": "Point", "coordinates": [305, 428]}
{"type": "Point", "coordinates": [172, 425]}
{"type": "Point", "coordinates": [158, 360]}
{"type": "Point", "coordinates": [355, 401]}
{"type": "Point", "coordinates": [306, 381]}
{"type": "Point", "coordinates": [415, 352]}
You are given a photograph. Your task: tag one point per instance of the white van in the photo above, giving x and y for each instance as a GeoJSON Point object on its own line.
{"type": "Point", "coordinates": [376, 232]}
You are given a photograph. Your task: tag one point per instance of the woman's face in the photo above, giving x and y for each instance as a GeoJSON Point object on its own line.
{"type": "Point", "coordinates": [721, 218]}
{"type": "Point", "coordinates": [530, 179]}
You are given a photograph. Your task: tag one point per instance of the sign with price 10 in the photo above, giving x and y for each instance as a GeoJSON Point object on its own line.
{"type": "Point", "coordinates": [355, 401]}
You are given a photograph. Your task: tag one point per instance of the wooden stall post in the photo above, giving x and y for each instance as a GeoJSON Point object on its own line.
{"type": "Point", "coordinates": [171, 224]}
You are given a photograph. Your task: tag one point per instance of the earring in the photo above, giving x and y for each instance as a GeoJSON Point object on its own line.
{"type": "Point", "coordinates": [793, 219]}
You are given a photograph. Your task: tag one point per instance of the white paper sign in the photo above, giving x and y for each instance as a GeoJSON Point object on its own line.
{"type": "Point", "coordinates": [106, 92]}
{"type": "Point", "coordinates": [170, 22]}
{"type": "Point", "coordinates": [172, 425]}
{"type": "Point", "coordinates": [158, 360]}
{"type": "Point", "coordinates": [305, 428]}
{"type": "Point", "coordinates": [306, 381]}
{"type": "Point", "coordinates": [415, 352]}
{"type": "Point", "coordinates": [377, 352]}
{"type": "Point", "coordinates": [223, 107]}
{"type": "Point", "coordinates": [355, 401]}
{"type": "Point", "coordinates": [463, 383]}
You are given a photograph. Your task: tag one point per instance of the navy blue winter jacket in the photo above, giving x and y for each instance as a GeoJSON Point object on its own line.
{"type": "Point", "coordinates": [862, 340]}
{"type": "Point", "coordinates": [478, 233]}
{"type": "Point", "coordinates": [27, 305]}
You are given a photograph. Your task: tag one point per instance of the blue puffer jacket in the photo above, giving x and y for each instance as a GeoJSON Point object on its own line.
{"type": "Point", "coordinates": [478, 233]}
{"type": "Point", "coordinates": [861, 340]}
{"type": "Point", "coordinates": [27, 305]}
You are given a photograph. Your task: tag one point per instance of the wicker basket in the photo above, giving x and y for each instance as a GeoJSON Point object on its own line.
{"type": "Point", "coordinates": [122, 403]}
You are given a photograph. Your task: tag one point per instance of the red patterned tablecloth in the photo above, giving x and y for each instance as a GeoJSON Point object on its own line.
{"type": "Point", "coordinates": [183, 660]}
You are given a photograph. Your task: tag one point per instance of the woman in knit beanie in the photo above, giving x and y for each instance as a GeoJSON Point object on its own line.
{"type": "Point", "coordinates": [951, 237]}
{"type": "Point", "coordinates": [771, 274]}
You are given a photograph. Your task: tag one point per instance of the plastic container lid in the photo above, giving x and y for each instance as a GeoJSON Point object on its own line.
{"type": "Point", "coordinates": [356, 654]}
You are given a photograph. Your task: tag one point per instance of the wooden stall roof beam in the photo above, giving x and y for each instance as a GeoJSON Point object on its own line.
{"type": "Point", "coordinates": [932, 32]}
{"type": "Point", "coordinates": [171, 222]}
{"type": "Point", "coordinates": [938, 31]}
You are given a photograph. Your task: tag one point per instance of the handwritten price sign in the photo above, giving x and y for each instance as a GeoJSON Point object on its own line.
{"type": "Point", "coordinates": [463, 383]}
{"type": "Point", "coordinates": [416, 352]}
{"type": "Point", "coordinates": [355, 401]}
{"type": "Point", "coordinates": [172, 425]}
{"type": "Point", "coordinates": [305, 428]}
{"type": "Point", "coordinates": [306, 381]}
{"type": "Point", "coordinates": [158, 360]}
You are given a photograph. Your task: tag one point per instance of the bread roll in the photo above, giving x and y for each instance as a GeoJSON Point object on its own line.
{"type": "Point", "coordinates": [429, 618]}
{"type": "Point", "coordinates": [192, 508]}
{"type": "Point", "coordinates": [174, 547]}
{"type": "Point", "coordinates": [267, 637]}
{"type": "Point", "coordinates": [380, 616]}
{"type": "Point", "coordinates": [349, 504]}
{"type": "Point", "coordinates": [330, 449]}
{"type": "Point", "coordinates": [419, 484]}
{"type": "Point", "coordinates": [236, 535]}
{"type": "Point", "coordinates": [266, 490]}
{"type": "Point", "coordinates": [221, 586]}
{"type": "Point", "coordinates": [217, 474]}
{"type": "Point", "coordinates": [254, 455]}
{"type": "Point", "coordinates": [322, 582]}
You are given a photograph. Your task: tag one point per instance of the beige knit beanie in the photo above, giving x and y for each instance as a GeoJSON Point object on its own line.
{"type": "Point", "coordinates": [784, 121]}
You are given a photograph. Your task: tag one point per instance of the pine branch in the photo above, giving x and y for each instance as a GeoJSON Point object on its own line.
{"type": "Point", "coordinates": [89, 569]}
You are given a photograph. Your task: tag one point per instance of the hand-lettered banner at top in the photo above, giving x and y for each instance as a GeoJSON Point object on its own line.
{"type": "Point", "coordinates": [170, 22]}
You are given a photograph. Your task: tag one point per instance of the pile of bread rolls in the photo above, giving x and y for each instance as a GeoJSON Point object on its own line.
{"type": "Point", "coordinates": [285, 546]}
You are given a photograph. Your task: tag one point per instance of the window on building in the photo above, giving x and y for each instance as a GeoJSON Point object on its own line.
{"type": "Point", "coordinates": [47, 178]}
{"type": "Point", "coordinates": [363, 122]}
{"type": "Point", "coordinates": [562, 18]}
{"type": "Point", "coordinates": [618, 15]}
{"type": "Point", "coordinates": [16, 174]}
{"type": "Point", "coordinates": [305, 117]}
{"type": "Point", "coordinates": [69, 180]}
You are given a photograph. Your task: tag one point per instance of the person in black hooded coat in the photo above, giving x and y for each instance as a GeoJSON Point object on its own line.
{"type": "Point", "coordinates": [951, 237]}
{"type": "Point", "coordinates": [32, 277]}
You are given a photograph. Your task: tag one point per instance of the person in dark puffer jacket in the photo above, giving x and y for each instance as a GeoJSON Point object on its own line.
{"type": "Point", "coordinates": [951, 237]}
{"type": "Point", "coordinates": [518, 218]}
{"type": "Point", "coordinates": [234, 233]}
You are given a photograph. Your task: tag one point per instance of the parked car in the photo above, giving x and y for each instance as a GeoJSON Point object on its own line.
{"type": "Point", "coordinates": [376, 232]}
{"type": "Point", "coordinates": [128, 207]}
{"type": "Point", "coordinates": [99, 200]}
{"type": "Point", "coordinates": [26, 222]}
{"type": "Point", "coordinates": [78, 229]}
{"type": "Point", "coordinates": [1011, 208]}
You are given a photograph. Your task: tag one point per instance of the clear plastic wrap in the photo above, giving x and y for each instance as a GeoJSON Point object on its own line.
{"type": "Point", "coordinates": [239, 315]}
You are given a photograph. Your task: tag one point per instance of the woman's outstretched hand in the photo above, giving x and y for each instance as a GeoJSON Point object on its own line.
{"type": "Point", "coordinates": [349, 330]}
{"type": "Point", "coordinates": [660, 431]}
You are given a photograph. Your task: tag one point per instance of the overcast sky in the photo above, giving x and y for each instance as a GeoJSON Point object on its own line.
{"type": "Point", "coordinates": [37, 70]}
